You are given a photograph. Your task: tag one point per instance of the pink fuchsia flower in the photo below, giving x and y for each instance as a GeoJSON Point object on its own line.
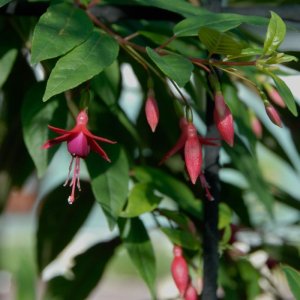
{"type": "Point", "coordinates": [223, 119]}
{"type": "Point", "coordinates": [180, 271]}
{"type": "Point", "coordinates": [273, 114]}
{"type": "Point", "coordinates": [152, 112]}
{"type": "Point", "coordinates": [191, 142]}
{"type": "Point", "coordinates": [79, 142]}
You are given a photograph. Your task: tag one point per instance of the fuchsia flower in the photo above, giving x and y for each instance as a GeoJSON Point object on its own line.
{"type": "Point", "coordinates": [79, 142]}
{"type": "Point", "coordinates": [180, 271]}
{"type": "Point", "coordinates": [192, 144]}
{"type": "Point", "coordinates": [152, 112]}
{"type": "Point", "coordinates": [273, 114]}
{"type": "Point", "coordinates": [223, 119]}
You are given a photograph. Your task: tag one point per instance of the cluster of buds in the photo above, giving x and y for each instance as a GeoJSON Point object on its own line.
{"type": "Point", "coordinates": [79, 142]}
{"type": "Point", "coordinates": [181, 277]}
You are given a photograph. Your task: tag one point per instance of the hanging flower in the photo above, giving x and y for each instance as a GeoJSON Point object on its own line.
{"type": "Point", "coordinates": [223, 119]}
{"type": "Point", "coordinates": [191, 142]}
{"type": "Point", "coordinates": [79, 142]}
{"type": "Point", "coordinates": [180, 270]}
{"type": "Point", "coordinates": [152, 112]}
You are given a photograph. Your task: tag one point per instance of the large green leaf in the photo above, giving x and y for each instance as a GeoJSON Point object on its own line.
{"type": "Point", "coordinates": [178, 6]}
{"type": "Point", "coordinates": [138, 244]}
{"type": "Point", "coordinates": [293, 278]}
{"type": "Point", "coordinates": [61, 28]}
{"type": "Point", "coordinates": [58, 222]}
{"type": "Point", "coordinates": [275, 34]}
{"type": "Point", "coordinates": [219, 43]}
{"type": "Point", "coordinates": [81, 64]}
{"type": "Point", "coordinates": [110, 182]}
{"type": "Point", "coordinates": [36, 115]}
{"type": "Point", "coordinates": [220, 22]}
{"type": "Point", "coordinates": [107, 84]}
{"type": "Point", "coordinates": [285, 93]}
{"type": "Point", "coordinates": [171, 187]}
{"type": "Point", "coordinates": [87, 271]}
{"type": "Point", "coordinates": [6, 64]}
{"type": "Point", "coordinates": [141, 199]}
{"type": "Point", "coordinates": [182, 238]}
{"type": "Point", "coordinates": [175, 66]}
{"type": "Point", "coordinates": [3, 2]}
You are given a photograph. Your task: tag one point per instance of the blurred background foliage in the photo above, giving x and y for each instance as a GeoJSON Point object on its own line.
{"type": "Point", "coordinates": [50, 250]}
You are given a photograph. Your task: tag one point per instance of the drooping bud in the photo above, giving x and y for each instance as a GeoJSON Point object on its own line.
{"type": "Point", "coordinates": [256, 126]}
{"type": "Point", "coordinates": [273, 114]}
{"type": "Point", "coordinates": [152, 112]}
{"type": "Point", "coordinates": [193, 153]}
{"type": "Point", "coordinates": [274, 95]}
{"type": "Point", "coordinates": [223, 119]}
{"type": "Point", "coordinates": [180, 271]}
{"type": "Point", "coordinates": [191, 293]}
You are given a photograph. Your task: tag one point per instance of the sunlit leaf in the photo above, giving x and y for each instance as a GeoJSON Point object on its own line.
{"type": "Point", "coordinates": [219, 43]}
{"type": "Point", "coordinates": [110, 182]}
{"type": "Point", "coordinates": [6, 64]}
{"type": "Point", "coordinates": [61, 28]}
{"type": "Point", "coordinates": [81, 64]}
{"type": "Point", "coordinates": [275, 34]}
{"type": "Point", "coordinates": [293, 278]}
{"type": "Point", "coordinates": [175, 66]}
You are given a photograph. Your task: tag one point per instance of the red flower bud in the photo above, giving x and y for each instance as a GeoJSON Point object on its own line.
{"type": "Point", "coordinates": [275, 96]}
{"type": "Point", "coordinates": [193, 153]}
{"type": "Point", "coordinates": [191, 293]}
{"type": "Point", "coordinates": [256, 127]}
{"type": "Point", "coordinates": [273, 114]}
{"type": "Point", "coordinates": [223, 119]}
{"type": "Point", "coordinates": [180, 271]}
{"type": "Point", "coordinates": [152, 112]}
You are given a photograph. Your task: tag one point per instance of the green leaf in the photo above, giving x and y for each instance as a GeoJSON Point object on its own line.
{"type": "Point", "coordinates": [174, 66]}
{"type": "Point", "coordinates": [225, 215]}
{"type": "Point", "coordinates": [107, 84]}
{"type": "Point", "coordinates": [285, 93]}
{"type": "Point", "coordinates": [139, 247]}
{"type": "Point", "coordinates": [36, 116]}
{"type": "Point", "coordinates": [171, 187]}
{"type": "Point", "coordinates": [81, 64]}
{"type": "Point", "coordinates": [61, 28]}
{"type": "Point", "coordinates": [182, 238]}
{"type": "Point", "coordinates": [293, 278]}
{"type": "Point", "coordinates": [219, 43]}
{"type": "Point", "coordinates": [110, 182]}
{"type": "Point", "coordinates": [178, 6]}
{"type": "Point", "coordinates": [141, 200]}
{"type": "Point", "coordinates": [58, 222]}
{"type": "Point", "coordinates": [88, 269]}
{"type": "Point", "coordinates": [4, 2]}
{"type": "Point", "coordinates": [176, 216]}
{"type": "Point", "coordinates": [220, 22]}
{"type": "Point", "coordinates": [275, 34]}
{"type": "Point", "coordinates": [6, 64]}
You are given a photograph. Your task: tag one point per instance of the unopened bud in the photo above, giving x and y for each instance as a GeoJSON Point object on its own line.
{"type": "Point", "coordinates": [273, 114]}
{"type": "Point", "coordinates": [152, 112]}
{"type": "Point", "coordinates": [274, 96]}
{"type": "Point", "coordinates": [223, 119]}
{"type": "Point", "coordinates": [256, 126]}
{"type": "Point", "coordinates": [191, 293]}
